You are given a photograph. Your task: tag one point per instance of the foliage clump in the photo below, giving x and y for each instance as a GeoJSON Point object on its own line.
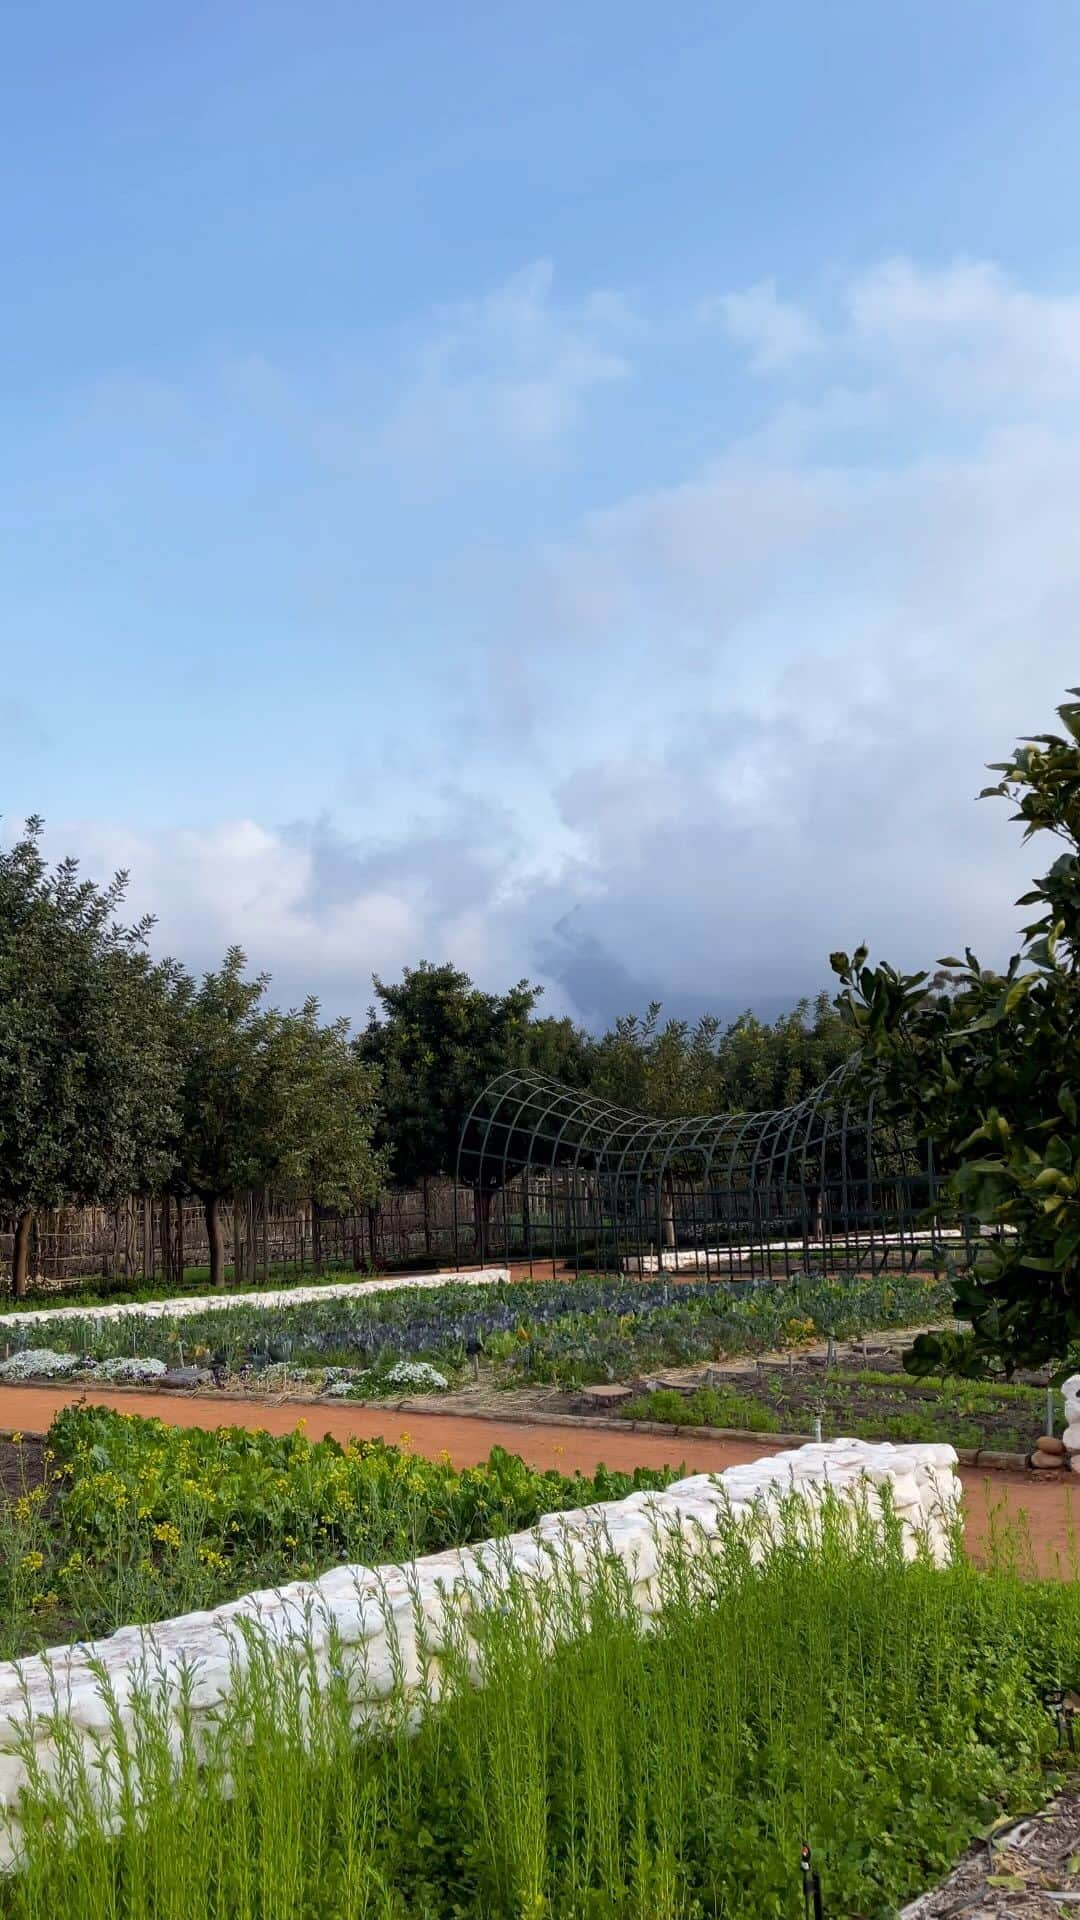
{"type": "Point", "coordinates": [988, 1066]}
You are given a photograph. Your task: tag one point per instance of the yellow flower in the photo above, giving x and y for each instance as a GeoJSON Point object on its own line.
{"type": "Point", "coordinates": [16, 1439]}
{"type": "Point", "coordinates": [32, 1562]}
{"type": "Point", "coordinates": [167, 1534]}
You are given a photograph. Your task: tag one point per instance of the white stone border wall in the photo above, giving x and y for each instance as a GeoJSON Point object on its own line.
{"type": "Point", "coordinates": [188, 1304]}
{"type": "Point", "coordinates": [374, 1617]}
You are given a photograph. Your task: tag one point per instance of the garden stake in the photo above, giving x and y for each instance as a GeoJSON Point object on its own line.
{"type": "Point", "coordinates": [1063, 1713]}
{"type": "Point", "coordinates": [811, 1885]}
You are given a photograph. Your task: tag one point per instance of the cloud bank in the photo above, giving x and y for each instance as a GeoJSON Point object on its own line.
{"type": "Point", "coordinates": [719, 725]}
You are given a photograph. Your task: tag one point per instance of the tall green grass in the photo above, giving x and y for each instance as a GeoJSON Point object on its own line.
{"type": "Point", "coordinates": [582, 1766]}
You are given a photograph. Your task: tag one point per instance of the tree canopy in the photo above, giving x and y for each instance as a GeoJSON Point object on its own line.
{"type": "Point", "coordinates": [437, 1040]}
{"type": "Point", "coordinates": [988, 1063]}
{"type": "Point", "coordinates": [268, 1100]}
{"type": "Point", "coordinates": [87, 1080]}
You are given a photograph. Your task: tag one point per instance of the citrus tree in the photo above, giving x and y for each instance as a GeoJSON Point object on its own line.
{"type": "Point", "coordinates": [989, 1063]}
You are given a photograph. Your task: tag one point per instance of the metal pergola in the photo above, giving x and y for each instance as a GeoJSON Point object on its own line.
{"type": "Point", "coordinates": [559, 1177]}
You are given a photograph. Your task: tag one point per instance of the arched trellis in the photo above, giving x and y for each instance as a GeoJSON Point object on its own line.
{"type": "Point", "coordinates": [560, 1176]}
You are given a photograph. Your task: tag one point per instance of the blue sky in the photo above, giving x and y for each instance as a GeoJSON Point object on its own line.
{"type": "Point", "coordinates": [579, 493]}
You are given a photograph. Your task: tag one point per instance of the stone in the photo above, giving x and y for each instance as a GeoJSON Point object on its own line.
{"type": "Point", "coordinates": [1047, 1462]}
{"type": "Point", "coordinates": [186, 1377]}
{"type": "Point", "coordinates": [1050, 1443]}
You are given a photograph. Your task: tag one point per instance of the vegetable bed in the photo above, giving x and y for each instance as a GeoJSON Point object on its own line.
{"type": "Point", "coordinates": [119, 1520]}
{"type": "Point", "coordinates": [884, 1713]}
{"type": "Point", "coordinates": [857, 1403]}
{"type": "Point", "coordinates": [567, 1333]}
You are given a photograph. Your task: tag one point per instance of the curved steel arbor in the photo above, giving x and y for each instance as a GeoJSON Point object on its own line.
{"type": "Point", "coordinates": [561, 1176]}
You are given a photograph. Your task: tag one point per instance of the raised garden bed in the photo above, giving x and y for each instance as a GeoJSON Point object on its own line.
{"type": "Point", "coordinates": [879, 1402]}
{"type": "Point", "coordinates": [114, 1518]}
{"type": "Point", "coordinates": [513, 1333]}
{"type": "Point", "coordinates": [885, 1713]}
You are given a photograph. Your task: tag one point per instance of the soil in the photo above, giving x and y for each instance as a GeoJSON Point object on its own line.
{"type": "Point", "coordinates": [21, 1466]}
{"type": "Point", "coordinates": [1037, 1857]}
{"type": "Point", "coordinates": [796, 1389]}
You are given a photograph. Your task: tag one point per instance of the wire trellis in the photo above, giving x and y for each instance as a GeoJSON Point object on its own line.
{"type": "Point", "coordinates": [561, 1177]}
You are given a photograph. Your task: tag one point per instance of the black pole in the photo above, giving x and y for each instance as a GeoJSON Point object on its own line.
{"type": "Point", "coordinates": [811, 1885]}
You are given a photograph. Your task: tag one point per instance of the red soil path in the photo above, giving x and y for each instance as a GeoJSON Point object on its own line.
{"type": "Point", "coordinates": [1041, 1504]}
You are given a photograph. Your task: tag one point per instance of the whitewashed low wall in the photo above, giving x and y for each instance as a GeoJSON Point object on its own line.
{"type": "Point", "coordinates": [370, 1615]}
{"type": "Point", "coordinates": [186, 1304]}
{"type": "Point", "coordinates": [1070, 1394]}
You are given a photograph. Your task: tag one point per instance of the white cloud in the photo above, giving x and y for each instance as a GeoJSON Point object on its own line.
{"type": "Point", "coordinates": [512, 369]}
{"type": "Point", "coordinates": [774, 331]}
{"type": "Point", "coordinates": [756, 702]}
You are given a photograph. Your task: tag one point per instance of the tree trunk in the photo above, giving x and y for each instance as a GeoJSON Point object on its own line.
{"type": "Point", "coordinates": [20, 1255]}
{"type": "Point", "coordinates": [667, 1214]}
{"type": "Point", "coordinates": [214, 1234]}
{"type": "Point", "coordinates": [316, 1237]}
{"type": "Point", "coordinates": [482, 1199]}
{"type": "Point", "coordinates": [165, 1234]}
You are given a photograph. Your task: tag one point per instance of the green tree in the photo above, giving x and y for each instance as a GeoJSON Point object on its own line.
{"type": "Point", "coordinates": [989, 1063]}
{"type": "Point", "coordinates": [678, 1069]}
{"type": "Point", "coordinates": [437, 1040]}
{"type": "Point", "coordinates": [558, 1048]}
{"type": "Point", "coordinates": [667, 1071]}
{"type": "Point", "coordinates": [763, 1066]}
{"type": "Point", "coordinates": [86, 1074]}
{"type": "Point", "coordinates": [269, 1101]}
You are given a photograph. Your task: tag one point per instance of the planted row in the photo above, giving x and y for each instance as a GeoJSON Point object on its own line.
{"type": "Point", "coordinates": [860, 1405]}
{"type": "Point", "coordinates": [124, 1520]}
{"type": "Point", "coordinates": [565, 1332]}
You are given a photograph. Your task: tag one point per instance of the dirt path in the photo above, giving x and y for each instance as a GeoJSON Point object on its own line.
{"type": "Point", "coordinates": [1041, 1504]}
